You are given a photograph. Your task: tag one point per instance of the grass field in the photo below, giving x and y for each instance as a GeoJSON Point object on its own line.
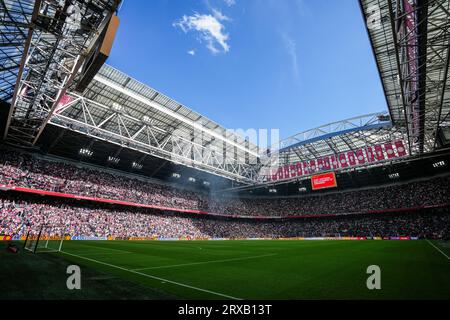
{"type": "Point", "coordinates": [231, 270]}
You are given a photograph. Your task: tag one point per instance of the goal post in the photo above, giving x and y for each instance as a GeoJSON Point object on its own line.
{"type": "Point", "coordinates": [44, 239]}
{"type": "Point", "coordinates": [31, 241]}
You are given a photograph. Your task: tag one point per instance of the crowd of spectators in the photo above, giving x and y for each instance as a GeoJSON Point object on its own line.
{"type": "Point", "coordinates": [19, 214]}
{"type": "Point", "coordinates": [25, 170]}
{"type": "Point", "coordinates": [415, 194]}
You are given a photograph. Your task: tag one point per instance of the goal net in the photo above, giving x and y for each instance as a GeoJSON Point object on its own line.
{"type": "Point", "coordinates": [45, 239]}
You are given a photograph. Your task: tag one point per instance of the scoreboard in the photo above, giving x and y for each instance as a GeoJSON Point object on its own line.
{"type": "Point", "coordinates": [324, 180]}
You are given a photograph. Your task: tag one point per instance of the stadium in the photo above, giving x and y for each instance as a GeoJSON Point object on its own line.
{"type": "Point", "coordinates": [153, 200]}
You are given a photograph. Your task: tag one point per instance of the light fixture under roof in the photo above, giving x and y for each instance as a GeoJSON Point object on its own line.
{"type": "Point", "coordinates": [86, 152]}
{"type": "Point", "coordinates": [136, 165]}
{"type": "Point", "coordinates": [395, 175]}
{"type": "Point", "coordinates": [439, 164]}
{"type": "Point", "coordinates": [113, 159]}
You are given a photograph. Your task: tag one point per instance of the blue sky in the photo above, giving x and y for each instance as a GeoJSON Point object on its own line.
{"type": "Point", "coordinates": [276, 64]}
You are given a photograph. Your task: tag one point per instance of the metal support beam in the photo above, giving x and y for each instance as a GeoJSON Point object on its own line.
{"type": "Point", "coordinates": [61, 35]}
{"type": "Point", "coordinates": [82, 115]}
{"type": "Point", "coordinates": [22, 64]}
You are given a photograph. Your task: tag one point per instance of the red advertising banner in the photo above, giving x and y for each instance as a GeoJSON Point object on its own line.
{"type": "Point", "coordinates": [286, 171]}
{"type": "Point", "coordinates": [343, 160]}
{"type": "Point", "coordinates": [305, 168]}
{"type": "Point", "coordinates": [325, 180]}
{"type": "Point", "coordinates": [312, 166]}
{"type": "Point", "coordinates": [379, 152]}
{"type": "Point", "coordinates": [293, 171]}
{"type": "Point", "coordinates": [400, 148]}
{"type": "Point", "coordinates": [299, 169]}
{"type": "Point", "coordinates": [334, 162]}
{"type": "Point", "coordinates": [326, 164]}
{"type": "Point", "coordinates": [389, 150]}
{"type": "Point", "coordinates": [370, 155]}
{"type": "Point", "coordinates": [351, 158]}
{"type": "Point", "coordinates": [360, 156]}
{"type": "Point", "coordinates": [379, 155]}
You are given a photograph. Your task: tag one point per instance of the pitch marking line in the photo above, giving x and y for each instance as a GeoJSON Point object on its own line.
{"type": "Point", "coordinates": [205, 262]}
{"type": "Point", "coordinates": [431, 243]}
{"type": "Point", "coordinates": [103, 253]}
{"type": "Point", "coordinates": [105, 248]}
{"type": "Point", "coordinates": [153, 277]}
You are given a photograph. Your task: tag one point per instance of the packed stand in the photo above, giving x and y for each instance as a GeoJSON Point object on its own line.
{"type": "Point", "coordinates": [19, 214]}
{"type": "Point", "coordinates": [25, 170]}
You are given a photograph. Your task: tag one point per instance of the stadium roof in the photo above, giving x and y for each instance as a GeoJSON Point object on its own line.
{"type": "Point", "coordinates": [118, 108]}
{"type": "Point", "coordinates": [44, 45]}
{"type": "Point", "coordinates": [161, 108]}
{"type": "Point", "coordinates": [411, 44]}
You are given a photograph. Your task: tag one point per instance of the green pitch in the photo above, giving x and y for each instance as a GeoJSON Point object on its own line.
{"type": "Point", "coordinates": [231, 270]}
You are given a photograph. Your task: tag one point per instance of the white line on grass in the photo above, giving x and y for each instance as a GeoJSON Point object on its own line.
{"type": "Point", "coordinates": [103, 253]}
{"type": "Point", "coordinates": [431, 243]}
{"type": "Point", "coordinates": [205, 262]}
{"type": "Point", "coordinates": [105, 248]}
{"type": "Point", "coordinates": [153, 277]}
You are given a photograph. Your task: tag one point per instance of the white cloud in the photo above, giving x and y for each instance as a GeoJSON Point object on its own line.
{"type": "Point", "coordinates": [230, 3]}
{"type": "Point", "coordinates": [209, 28]}
{"type": "Point", "coordinates": [219, 15]}
{"type": "Point", "coordinates": [191, 52]}
{"type": "Point", "coordinates": [291, 48]}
